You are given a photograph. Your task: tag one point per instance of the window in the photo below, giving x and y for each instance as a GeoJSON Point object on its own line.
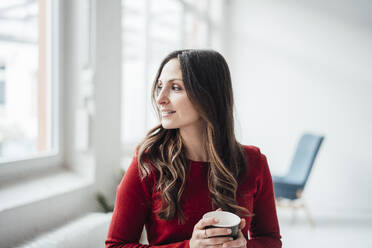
{"type": "Point", "coordinates": [27, 98]}
{"type": "Point", "coordinates": [151, 29]}
{"type": "Point", "coordinates": [2, 84]}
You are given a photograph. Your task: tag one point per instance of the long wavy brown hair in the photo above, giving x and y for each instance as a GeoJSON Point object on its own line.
{"type": "Point", "coordinates": [207, 82]}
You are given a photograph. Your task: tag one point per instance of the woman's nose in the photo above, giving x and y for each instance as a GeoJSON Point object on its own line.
{"type": "Point", "coordinates": [162, 98]}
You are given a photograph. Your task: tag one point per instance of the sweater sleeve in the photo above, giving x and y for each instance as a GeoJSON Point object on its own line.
{"type": "Point", "coordinates": [132, 210]}
{"type": "Point", "coordinates": [264, 227]}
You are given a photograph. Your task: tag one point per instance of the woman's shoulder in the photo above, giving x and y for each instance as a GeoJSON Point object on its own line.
{"type": "Point", "coordinates": [256, 159]}
{"type": "Point", "coordinates": [252, 152]}
{"type": "Point", "coordinates": [144, 158]}
{"type": "Point", "coordinates": [137, 172]}
{"type": "Point", "coordinates": [251, 149]}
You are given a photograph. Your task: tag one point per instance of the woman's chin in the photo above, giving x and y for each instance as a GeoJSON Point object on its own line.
{"type": "Point", "coordinates": [168, 126]}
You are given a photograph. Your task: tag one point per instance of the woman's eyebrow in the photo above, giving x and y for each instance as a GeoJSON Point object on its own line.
{"type": "Point", "coordinates": [170, 80]}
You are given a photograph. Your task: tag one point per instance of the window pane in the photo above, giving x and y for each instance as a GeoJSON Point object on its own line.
{"type": "Point", "coordinates": [152, 29]}
{"type": "Point", "coordinates": [199, 5]}
{"type": "Point", "coordinates": [165, 29]}
{"type": "Point", "coordinates": [25, 109]}
{"type": "Point", "coordinates": [166, 34]}
{"type": "Point", "coordinates": [133, 104]}
{"type": "Point", "coordinates": [196, 31]}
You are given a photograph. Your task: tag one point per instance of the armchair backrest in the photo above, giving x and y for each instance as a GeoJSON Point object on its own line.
{"type": "Point", "coordinates": [304, 158]}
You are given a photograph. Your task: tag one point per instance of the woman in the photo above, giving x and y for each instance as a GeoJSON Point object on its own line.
{"type": "Point", "coordinates": [191, 164]}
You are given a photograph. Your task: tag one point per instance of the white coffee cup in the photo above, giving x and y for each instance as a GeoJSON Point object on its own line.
{"type": "Point", "coordinates": [225, 220]}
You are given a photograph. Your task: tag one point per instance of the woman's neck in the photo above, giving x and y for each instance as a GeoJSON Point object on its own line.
{"type": "Point", "coordinates": [192, 138]}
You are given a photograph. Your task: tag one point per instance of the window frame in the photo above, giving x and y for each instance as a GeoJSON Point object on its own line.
{"type": "Point", "coordinates": [19, 167]}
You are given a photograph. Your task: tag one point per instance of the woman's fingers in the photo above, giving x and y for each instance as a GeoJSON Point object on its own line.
{"type": "Point", "coordinates": [216, 237]}
{"type": "Point", "coordinates": [215, 241]}
{"type": "Point", "coordinates": [239, 242]}
{"type": "Point", "coordinates": [206, 222]}
{"type": "Point", "coordinates": [213, 232]}
{"type": "Point", "coordinates": [203, 237]}
{"type": "Point", "coordinates": [242, 223]}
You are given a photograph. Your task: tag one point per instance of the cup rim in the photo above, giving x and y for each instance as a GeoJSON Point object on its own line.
{"type": "Point", "coordinates": [236, 218]}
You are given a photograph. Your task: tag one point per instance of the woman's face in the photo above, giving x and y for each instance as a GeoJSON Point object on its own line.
{"type": "Point", "coordinates": [174, 105]}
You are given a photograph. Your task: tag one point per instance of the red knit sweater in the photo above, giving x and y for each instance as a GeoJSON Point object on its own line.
{"type": "Point", "coordinates": [137, 201]}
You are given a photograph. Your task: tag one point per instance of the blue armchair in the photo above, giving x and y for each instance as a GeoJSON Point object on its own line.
{"type": "Point", "coordinates": [291, 185]}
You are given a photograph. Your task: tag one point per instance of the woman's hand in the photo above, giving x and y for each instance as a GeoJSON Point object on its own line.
{"type": "Point", "coordinates": [202, 237]}
{"type": "Point", "coordinates": [240, 241]}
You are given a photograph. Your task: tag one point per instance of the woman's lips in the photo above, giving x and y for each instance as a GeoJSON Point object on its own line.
{"type": "Point", "coordinates": [167, 113]}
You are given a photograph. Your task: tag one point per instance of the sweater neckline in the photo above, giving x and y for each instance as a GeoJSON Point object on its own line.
{"type": "Point", "coordinates": [198, 162]}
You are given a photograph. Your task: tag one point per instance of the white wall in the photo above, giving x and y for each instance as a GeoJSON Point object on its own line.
{"type": "Point", "coordinates": [300, 67]}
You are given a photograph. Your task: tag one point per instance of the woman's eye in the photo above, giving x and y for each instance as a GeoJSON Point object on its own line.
{"type": "Point", "coordinates": [176, 88]}
{"type": "Point", "coordinates": [157, 90]}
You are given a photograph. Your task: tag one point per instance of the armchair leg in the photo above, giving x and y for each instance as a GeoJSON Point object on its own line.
{"type": "Point", "coordinates": [307, 212]}
{"type": "Point", "coordinates": [294, 205]}
{"type": "Point", "coordinates": [304, 206]}
{"type": "Point", "coordinates": [293, 213]}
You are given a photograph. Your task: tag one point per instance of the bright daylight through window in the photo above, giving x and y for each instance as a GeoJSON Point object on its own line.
{"type": "Point", "coordinates": [26, 123]}
{"type": "Point", "coordinates": [151, 29]}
